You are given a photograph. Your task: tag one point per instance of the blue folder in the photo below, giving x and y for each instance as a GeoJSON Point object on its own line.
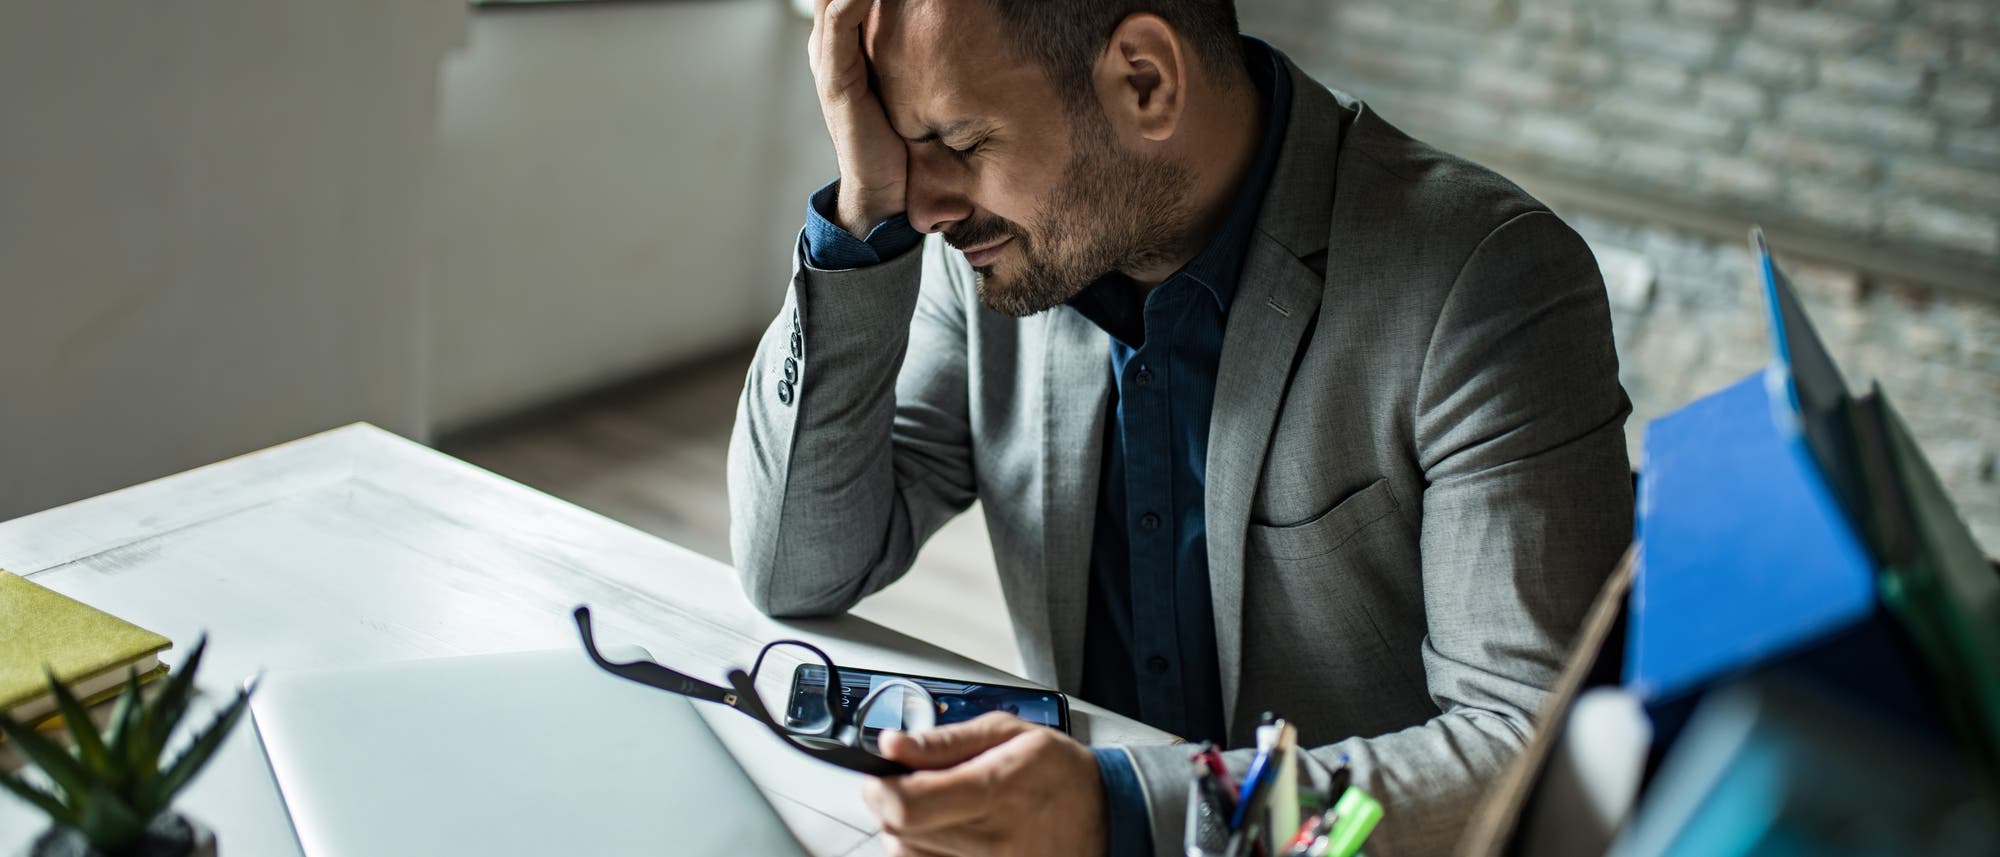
{"type": "Point", "coordinates": [1747, 550]}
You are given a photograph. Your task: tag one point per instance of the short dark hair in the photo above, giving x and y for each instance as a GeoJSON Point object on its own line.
{"type": "Point", "coordinates": [1065, 37]}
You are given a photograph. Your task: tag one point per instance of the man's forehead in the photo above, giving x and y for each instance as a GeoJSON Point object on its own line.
{"type": "Point", "coordinates": [937, 62]}
{"type": "Point", "coordinates": [902, 31]}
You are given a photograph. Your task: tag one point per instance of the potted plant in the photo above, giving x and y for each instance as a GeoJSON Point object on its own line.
{"type": "Point", "coordinates": [111, 794]}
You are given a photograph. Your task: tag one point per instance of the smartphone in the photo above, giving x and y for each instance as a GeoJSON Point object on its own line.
{"type": "Point", "coordinates": [957, 700]}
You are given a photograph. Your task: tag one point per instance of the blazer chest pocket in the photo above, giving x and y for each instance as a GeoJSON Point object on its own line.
{"type": "Point", "coordinates": [1329, 531]}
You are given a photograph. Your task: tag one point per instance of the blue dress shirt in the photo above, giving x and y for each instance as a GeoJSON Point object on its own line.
{"type": "Point", "coordinates": [1149, 641]}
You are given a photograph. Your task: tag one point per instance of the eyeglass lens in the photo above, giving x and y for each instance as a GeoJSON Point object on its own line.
{"type": "Point", "coordinates": [792, 683]}
{"type": "Point", "coordinates": [895, 704]}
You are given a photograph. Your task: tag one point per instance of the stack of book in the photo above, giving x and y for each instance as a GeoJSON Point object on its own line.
{"type": "Point", "coordinates": [1801, 657]}
{"type": "Point", "coordinates": [91, 652]}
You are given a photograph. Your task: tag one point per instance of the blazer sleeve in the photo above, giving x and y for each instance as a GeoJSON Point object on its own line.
{"type": "Point", "coordinates": [851, 444]}
{"type": "Point", "coordinates": [1519, 427]}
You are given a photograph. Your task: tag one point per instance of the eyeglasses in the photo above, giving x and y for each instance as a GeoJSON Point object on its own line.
{"type": "Point", "coordinates": [796, 678]}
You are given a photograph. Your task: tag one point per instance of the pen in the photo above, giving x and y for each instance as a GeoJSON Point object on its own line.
{"type": "Point", "coordinates": [1213, 759]}
{"type": "Point", "coordinates": [1343, 776]}
{"type": "Point", "coordinates": [1254, 781]}
{"type": "Point", "coordinates": [1267, 731]}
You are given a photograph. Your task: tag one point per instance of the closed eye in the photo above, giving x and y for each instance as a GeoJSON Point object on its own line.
{"type": "Point", "coordinates": [967, 149]}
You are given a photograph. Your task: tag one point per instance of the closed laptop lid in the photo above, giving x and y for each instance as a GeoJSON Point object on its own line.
{"type": "Point", "coordinates": [533, 753]}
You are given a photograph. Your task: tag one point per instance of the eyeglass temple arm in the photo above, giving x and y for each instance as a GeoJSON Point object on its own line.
{"type": "Point", "coordinates": [649, 673]}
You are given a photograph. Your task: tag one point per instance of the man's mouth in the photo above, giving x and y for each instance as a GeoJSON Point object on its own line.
{"type": "Point", "coordinates": [982, 256]}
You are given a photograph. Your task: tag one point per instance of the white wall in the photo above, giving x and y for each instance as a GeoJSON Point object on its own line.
{"type": "Point", "coordinates": [212, 218]}
{"type": "Point", "coordinates": [228, 223]}
{"type": "Point", "coordinates": [625, 181]}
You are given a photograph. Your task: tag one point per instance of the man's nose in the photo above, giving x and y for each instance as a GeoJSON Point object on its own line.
{"type": "Point", "coordinates": [936, 191]}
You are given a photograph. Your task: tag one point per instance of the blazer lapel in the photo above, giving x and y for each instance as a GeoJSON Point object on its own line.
{"type": "Point", "coordinates": [1075, 387]}
{"type": "Point", "coordinates": [1277, 297]}
{"type": "Point", "coordinates": [1275, 304]}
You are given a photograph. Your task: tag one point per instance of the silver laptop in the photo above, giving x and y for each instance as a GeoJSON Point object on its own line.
{"type": "Point", "coordinates": [535, 753]}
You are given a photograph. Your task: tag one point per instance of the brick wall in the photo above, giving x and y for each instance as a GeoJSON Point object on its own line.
{"type": "Point", "coordinates": [1870, 119]}
{"type": "Point", "coordinates": [1874, 119]}
{"type": "Point", "coordinates": [1688, 315]}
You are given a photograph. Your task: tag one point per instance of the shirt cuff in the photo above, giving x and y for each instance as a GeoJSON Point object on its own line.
{"type": "Point", "coordinates": [1125, 815]}
{"type": "Point", "coordinates": [831, 248]}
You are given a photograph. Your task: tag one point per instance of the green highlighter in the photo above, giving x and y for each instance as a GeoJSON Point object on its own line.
{"type": "Point", "coordinates": [1355, 817]}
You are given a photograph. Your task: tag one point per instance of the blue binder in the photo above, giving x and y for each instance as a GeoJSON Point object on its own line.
{"type": "Point", "coordinates": [1746, 550]}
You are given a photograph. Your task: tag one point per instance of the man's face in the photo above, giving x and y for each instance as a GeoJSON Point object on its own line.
{"type": "Point", "coordinates": [1042, 198]}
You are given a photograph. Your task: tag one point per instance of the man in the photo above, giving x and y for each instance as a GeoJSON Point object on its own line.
{"type": "Point", "coordinates": [1270, 406]}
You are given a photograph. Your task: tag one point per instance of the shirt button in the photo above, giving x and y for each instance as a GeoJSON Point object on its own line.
{"type": "Point", "coordinates": [791, 370]}
{"type": "Point", "coordinates": [1145, 377]}
{"type": "Point", "coordinates": [785, 392]}
{"type": "Point", "coordinates": [798, 344]}
{"type": "Point", "coordinates": [1156, 665]}
{"type": "Point", "coordinates": [1149, 521]}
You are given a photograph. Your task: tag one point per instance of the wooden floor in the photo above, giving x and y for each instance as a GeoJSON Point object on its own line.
{"type": "Point", "coordinates": [652, 455]}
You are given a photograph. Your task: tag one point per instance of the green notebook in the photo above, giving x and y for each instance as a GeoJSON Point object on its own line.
{"type": "Point", "coordinates": [87, 648]}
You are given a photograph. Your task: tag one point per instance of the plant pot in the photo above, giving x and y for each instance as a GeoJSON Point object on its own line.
{"type": "Point", "coordinates": [168, 836]}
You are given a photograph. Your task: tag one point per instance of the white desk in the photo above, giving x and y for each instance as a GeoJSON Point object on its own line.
{"type": "Point", "coordinates": [357, 546]}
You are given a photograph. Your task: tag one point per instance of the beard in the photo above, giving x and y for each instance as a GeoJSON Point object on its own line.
{"type": "Point", "coordinates": [1112, 211]}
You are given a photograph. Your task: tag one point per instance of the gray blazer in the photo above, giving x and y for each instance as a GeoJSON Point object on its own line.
{"type": "Point", "coordinates": [1416, 468]}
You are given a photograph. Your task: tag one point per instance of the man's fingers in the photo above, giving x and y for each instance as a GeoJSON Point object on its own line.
{"type": "Point", "coordinates": [847, 14]}
{"type": "Point", "coordinates": [951, 787]}
{"type": "Point", "coordinates": [840, 26]}
{"type": "Point", "coordinates": [946, 746]}
{"type": "Point", "coordinates": [929, 800]}
{"type": "Point", "coordinates": [812, 44]}
{"type": "Point", "coordinates": [949, 812]}
{"type": "Point", "coordinates": [838, 34]}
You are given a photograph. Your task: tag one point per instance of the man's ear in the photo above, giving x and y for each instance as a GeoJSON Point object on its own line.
{"type": "Point", "coordinates": [1142, 77]}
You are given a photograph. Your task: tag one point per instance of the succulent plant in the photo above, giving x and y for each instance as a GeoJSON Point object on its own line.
{"type": "Point", "coordinates": [112, 787]}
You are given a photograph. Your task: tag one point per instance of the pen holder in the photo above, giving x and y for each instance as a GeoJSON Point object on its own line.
{"type": "Point", "coordinates": [1207, 830]}
{"type": "Point", "coordinates": [1336, 822]}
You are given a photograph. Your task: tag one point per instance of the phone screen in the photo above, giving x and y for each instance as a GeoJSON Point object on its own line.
{"type": "Point", "coordinates": [957, 700]}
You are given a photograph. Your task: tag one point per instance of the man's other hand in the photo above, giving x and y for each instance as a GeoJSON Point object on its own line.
{"type": "Point", "coordinates": [874, 164]}
{"type": "Point", "coordinates": [995, 785]}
